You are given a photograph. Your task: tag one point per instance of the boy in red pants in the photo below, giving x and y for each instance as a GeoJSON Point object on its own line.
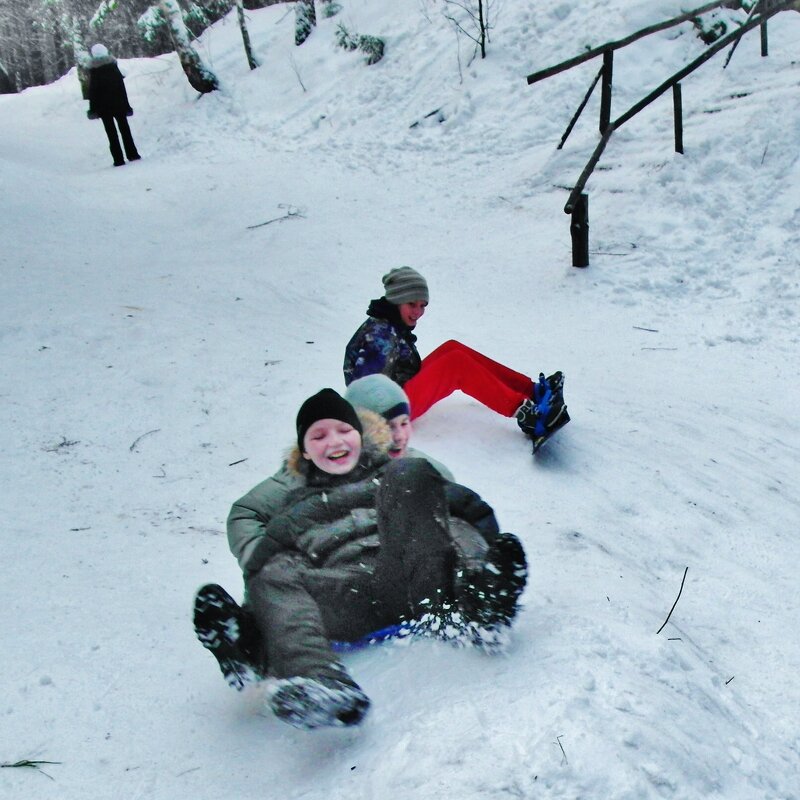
{"type": "Point", "coordinates": [385, 343]}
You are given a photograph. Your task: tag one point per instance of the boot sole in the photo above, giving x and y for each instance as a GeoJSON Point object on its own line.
{"type": "Point", "coordinates": [217, 624]}
{"type": "Point", "coordinates": [308, 704]}
{"type": "Point", "coordinates": [559, 422]}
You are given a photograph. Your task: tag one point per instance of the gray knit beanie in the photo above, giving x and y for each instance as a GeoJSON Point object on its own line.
{"type": "Point", "coordinates": [404, 285]}
{"type": "Point", "coordinates": [99, 50]}
{"type": "Point", "coordinates": [378, 393]}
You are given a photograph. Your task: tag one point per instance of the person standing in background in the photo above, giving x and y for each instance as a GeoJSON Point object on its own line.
{"type": "Point", "coordinates": [108, 101]}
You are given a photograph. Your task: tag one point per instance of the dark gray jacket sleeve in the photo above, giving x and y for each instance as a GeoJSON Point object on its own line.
{"type": "Point", "coordinates": [250, 515]}
{"type": "Point", "coordinates": [314, 521]}
{"type": "Point", "coordinates": [468, 505]}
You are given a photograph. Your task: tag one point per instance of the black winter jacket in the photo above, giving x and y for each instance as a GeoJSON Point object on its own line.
{"type": "Point", "coordinates": [107, 95]}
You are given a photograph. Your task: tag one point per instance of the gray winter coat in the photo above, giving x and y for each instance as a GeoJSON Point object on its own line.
{"type": "Point", "coordinates": [250, 515]}
{"type": "Point", "coordinates": [331, 520]}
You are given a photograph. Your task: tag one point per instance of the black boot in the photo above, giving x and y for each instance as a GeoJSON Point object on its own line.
{"type": "Point", "coordinates": [545, 413]}
{"type": "Point", "coordinates": [490, 599]}
{"type": "Point", "coordinates": [333, 699]}
{"type": "Point", "coordinates": [229, 632]}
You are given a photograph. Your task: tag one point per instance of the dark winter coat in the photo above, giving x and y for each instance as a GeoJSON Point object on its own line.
{"type": "Point", "coordinates": [382, 344]}
{"type": "Point", "coordinates": [107, 95]}
{"type": "Point", "coordinates": [332, 520]}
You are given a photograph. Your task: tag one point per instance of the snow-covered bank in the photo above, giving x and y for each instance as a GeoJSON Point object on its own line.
{"type": "Point", "coordinates": [151, 338]}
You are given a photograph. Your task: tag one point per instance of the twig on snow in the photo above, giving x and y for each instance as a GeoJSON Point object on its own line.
{"type": "Point", "coordinates": [33, 764]}
{"type": "Point", "coordinates": [558, 740]}
{"type": "Point", "coordinates": [291, 213]}
{"type": "Point", "coordinates": [234, 463]}
{"type": "Point", "coordinates": [297, 74]}
{"type": "Point", "coordinates": [649, 330]}
{"type": "Point", "coordinates": [63, 444]}
{"type": "Point", "coordinates": [139, 439]}
{"type": "Point", "coordinates": [675, 603]}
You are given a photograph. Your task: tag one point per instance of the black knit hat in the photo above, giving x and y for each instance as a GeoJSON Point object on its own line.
{"type": "Point", "coordinates": [325, 404]}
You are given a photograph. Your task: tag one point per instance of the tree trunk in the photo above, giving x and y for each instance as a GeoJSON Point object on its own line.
{"type": "Point", "coordinates": [80, 54]}
{"type": "Point", "coordinates": [305, 18]}
{"type": "Point", "coordinates": [252, 61]}
{"type": "Point", "coordinates": [7, 85]}
{"type": "Point", "coordinates": [200, 77]}
{"type": "Point", "coordinates": [482, 27]}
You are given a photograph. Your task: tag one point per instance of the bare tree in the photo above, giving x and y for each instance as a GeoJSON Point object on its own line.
{"type": "Point", "coordinates": [472, 18]}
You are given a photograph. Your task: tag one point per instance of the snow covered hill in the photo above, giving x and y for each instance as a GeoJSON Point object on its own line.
{"type": "Point", "coordinates": [157, 339]}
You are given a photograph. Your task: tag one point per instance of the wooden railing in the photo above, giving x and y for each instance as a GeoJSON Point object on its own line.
{"type": "Point", "coordinates": [578, 203]}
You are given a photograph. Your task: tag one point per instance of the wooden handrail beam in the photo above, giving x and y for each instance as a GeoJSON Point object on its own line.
{"type": "Point", "coordinates": [774, 6]}
{"type": "Point", "coordinates": [577, 114]}
{"type": "Point", "coordinates": [596, 51]}
{"type": "Point", "coordinates": [720, 44]}
{"type": "Point", "coordinates": [587, 170]}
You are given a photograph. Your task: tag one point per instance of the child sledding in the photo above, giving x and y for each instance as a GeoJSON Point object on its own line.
{"type": "Point", "coordinates": [358, 543]}
{"type": "Point", "coordinates": [358, 537]}
{"type": "Point", "coordinates": [385, 343]}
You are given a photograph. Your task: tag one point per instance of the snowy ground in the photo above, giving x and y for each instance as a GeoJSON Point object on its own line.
{"type": "Point", "coordinates": [155, 348]}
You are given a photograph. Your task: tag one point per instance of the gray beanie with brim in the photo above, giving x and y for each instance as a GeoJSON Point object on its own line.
{"type": "Point", "coordinates": [404, 285]}
{"type": "Point", "coordinates": [380, 394]}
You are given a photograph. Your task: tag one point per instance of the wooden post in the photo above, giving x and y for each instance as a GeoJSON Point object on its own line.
{"type": "Point", "coordinates": [579, 229]}
{"type": "Point", "coordinates": [764, 42]}
{"type": "Point", "coordinates": [678, 106]}
{"type": "Point", "coordinates": [605, 97]}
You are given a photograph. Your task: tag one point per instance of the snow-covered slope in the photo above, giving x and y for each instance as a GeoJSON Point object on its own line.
{"type": "Point", "coordinates": [155, 346]}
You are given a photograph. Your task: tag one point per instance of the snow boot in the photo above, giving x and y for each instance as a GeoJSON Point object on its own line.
{"type": "Point", "coordinates": [559, 420]}
{"type": "Point", "coordinates": [228, 631]}
{"type": "Point", "coordinates": [545, 413]}
{"type": "Point", "coordinates": [554, 382]}
{"type": "Point", "coordinates": [318, 702]}
{"type": "Point", "coordinates": [528, 417]}
{"type": "Point", "coordinates": [490, 599]}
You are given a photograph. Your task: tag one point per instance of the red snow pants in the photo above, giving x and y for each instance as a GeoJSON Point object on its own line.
{"type": "Point", "coordinates": [453, 366]}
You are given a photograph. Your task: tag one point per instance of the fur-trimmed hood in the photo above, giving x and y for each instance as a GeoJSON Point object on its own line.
{"type": "Point", "coordinates": [101, 61]}
{"type": "Point", "coordinates": [375, 441]}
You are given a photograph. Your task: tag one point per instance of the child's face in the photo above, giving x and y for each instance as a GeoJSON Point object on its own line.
{"type": "Point", "coordinates": [411, 312]}
{"type": "Point", "coordinates": [332, 446]}
{"type": "Point", "coordinates": [401, 435]}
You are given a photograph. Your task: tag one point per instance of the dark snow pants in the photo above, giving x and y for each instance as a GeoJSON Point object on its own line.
{"type": "Point", "coordinates": [299, 608]}
{"type": "Point", "coordinates": [113, 140]}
